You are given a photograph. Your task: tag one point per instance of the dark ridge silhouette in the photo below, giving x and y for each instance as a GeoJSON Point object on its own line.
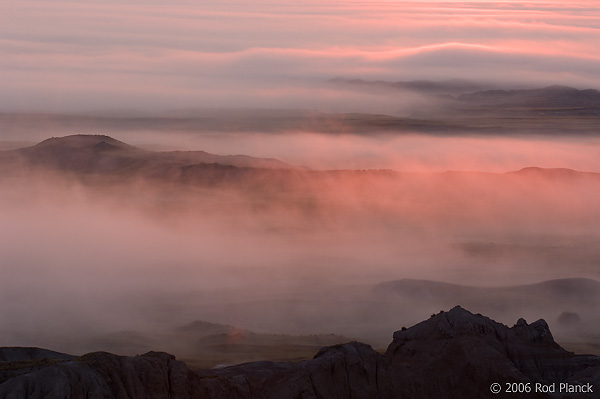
{"type": "Point", "coordinates": [201, 327]}
{"type": "Point", "coordinates": [81, 141]}
{"type": "Point", "coordinates": [573, 292]}
{"type": "Point", "coordinates": [554, 173]}
{"type": "Point", "coordinates": [568, 287]}
{"type": "Point", "coordinates": [451, 107]}
{"type": "Point", "coordinates": [83, 154]}
{"type": "Point", "coordinates": [547, 97]}
{"type": "Point", "coordinates": [480, 94]}
{"type": "Point", "coordinates": [480, 108]}
{"type": "Point", "coordinates": [101, 154]}
{"type": "Point", "coordinates": [444, 87]}
{"type": "Point", "coordinates": [202, 345]}
{"type": "Point", "coordinates": [452, 355]}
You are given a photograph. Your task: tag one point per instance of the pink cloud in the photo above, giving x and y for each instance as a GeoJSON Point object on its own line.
{"type": "Point", "coordinates": [265, 46]}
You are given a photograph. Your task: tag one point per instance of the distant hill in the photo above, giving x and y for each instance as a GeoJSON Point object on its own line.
{"type": "Point", "coordinates": [580, 289]}
{"type": "Point", "coordinates": [202, 328]}
{"type": "Point", "coordinates": [552, 173]}
{"type": "Point", "coordinates": [552, 97]}
{"type": "Point", "coordinates": [102, 154]}
{"type": "Point", "coordinates": [202, 344]}
{"type": "Point", "coordinates": [552, 296]}
{"type": "Point", "coordinates": [216, 344]}
{"type": "Point", "coordinates": [96, 142]}
{"type": "Point", "coordinates": [242, 161]}
{"type": "Point", "coordinates": [452, 99]}
{"type": "Point", "coordinates": [480, 94]}
{"type": "Point", "coordinates": [437, 108]}
{"type": "Point", "coordinates": [452, 87]}
{"type": "Point", "coordinates": [83, 154]}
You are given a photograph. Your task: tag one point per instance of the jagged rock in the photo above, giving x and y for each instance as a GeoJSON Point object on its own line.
{"type": "Point", "coordinates": [454, 354]}
{"type": "Point", "coordinates": [103, 375]}
{"type": "Point", "coordinates": [459, 349]}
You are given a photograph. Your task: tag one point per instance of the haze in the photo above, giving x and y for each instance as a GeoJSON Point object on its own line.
{"type": "Point", "coordinates": [295, 254]}
{"type": "Point", "coordinates": [376, 175]}
{"type": "Point", "coordinates": [85, 56]}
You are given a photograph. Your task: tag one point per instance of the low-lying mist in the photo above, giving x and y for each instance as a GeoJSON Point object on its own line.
{"type": "Point", "coordinates": [280, 251]}
{"type": "Point", "coordinates": [321, 140]}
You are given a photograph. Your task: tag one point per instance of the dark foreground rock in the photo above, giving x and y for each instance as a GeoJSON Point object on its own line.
{"type": "Point", "coordinates": [454, 354]}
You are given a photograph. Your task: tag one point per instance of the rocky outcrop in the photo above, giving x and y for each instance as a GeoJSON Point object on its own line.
{"type": "Point", "coordinates": [454, 354]}
{"type": "Point", "coordinates": [466, 353]}
{"type": "Point", "coordinates": [103, 375]}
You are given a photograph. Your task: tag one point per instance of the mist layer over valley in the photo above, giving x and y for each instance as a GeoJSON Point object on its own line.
{"type": "Point", "coordinates": [273, 192]}
{"type": "Point", "coordinates": [112, 246]}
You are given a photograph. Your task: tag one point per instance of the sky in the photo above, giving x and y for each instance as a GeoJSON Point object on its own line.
{"type": "Point", "coordinates": [89, 55]}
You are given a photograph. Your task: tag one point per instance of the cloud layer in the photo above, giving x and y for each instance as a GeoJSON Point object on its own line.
{"type": "Point", "coordinates": [86, 55]}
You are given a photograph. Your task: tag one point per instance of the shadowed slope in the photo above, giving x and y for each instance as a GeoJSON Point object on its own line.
{"type": "Point", "coordinates": [104, 155]}
{"type": "Point", "coordinates": [547, 97]}
{"type": "Point", "coordinates": [577, 290]}
{"type": "Point", "coordinates": [454, 354]}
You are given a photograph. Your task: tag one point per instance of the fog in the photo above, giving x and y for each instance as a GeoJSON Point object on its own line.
{"type": "Point", "coordinates": [293, 253]}
{"type": "Point", "coordinates": [88, 253]}
{"type": "Point", "coordinates": [316, 140]}
{"type": "Point", "coordinates": [402, 152]}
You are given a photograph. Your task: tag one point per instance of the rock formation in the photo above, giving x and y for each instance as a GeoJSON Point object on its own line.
{"type": "Point", "coordinates": [454, 354]}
